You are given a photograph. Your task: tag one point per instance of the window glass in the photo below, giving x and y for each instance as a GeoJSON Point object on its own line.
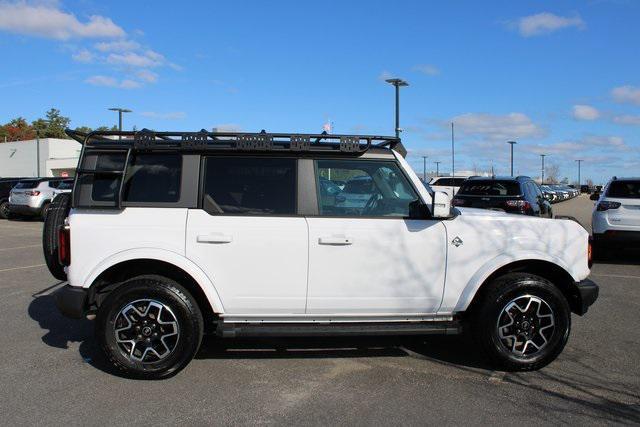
{"type": "Point", "coordinates": [624, 189]}
{"type": "Point", "coordinates": [153, 178]}
{"type": "Point", "coordinates": [104, 187]}
{"type": "Point", "coordinates": [250, 186]}
{"type": "Point", "coordinates": [372, 188]}
{"type": "Point", "coordinates": [27, 184]}
{"type": "Point", "coordinates": [451, 182]}
{"type": "Point", "coordinates": [490, 187]}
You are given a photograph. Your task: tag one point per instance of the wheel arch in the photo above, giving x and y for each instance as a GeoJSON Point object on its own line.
{"type": "Point", "coordinates": [548, 270]}
{"type": "Point", "coordinates": [113, 276]}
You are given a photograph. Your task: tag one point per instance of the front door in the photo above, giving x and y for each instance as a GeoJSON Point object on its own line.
{"type": "Point", "coordinates": [247, 237]}
{"type": "Point", "coordinates": [365, 255]}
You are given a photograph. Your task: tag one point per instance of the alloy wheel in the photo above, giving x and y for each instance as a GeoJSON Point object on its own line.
{"type": "Point", "coordinates": [525, 325]}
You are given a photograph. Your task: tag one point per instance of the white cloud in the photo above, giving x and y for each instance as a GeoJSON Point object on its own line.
{"type": "Point", "coordinates": [546, 23]}
{"type": "Point", "coordinates": [48, 21]}
{"type": "Point", "coordinates": [627, 119]}
{"type": "Point", "coordinates": [428, 69]}
{"type": "Point", "coordinates": [147, 76]}
{"type": "Point", "coordinates": [83, 55]}
{"type": "Point", "coordinates": [175, 115]}
{"type": "Point", "coordinates": [627, 93]}
{"type": "Point", "coordinates": [117, 46]}
{"type": "Point", "coordinates": [494, 127]}
{"type": "Point", "coordinates": [112, 82]}
{"type": "Point", "coordinates": [585, 112]}
{"type": "Point", "coordinates": [145, 60]}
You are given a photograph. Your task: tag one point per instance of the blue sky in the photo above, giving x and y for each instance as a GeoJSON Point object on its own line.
{"type": "Point", "coordinates": [560, 77]}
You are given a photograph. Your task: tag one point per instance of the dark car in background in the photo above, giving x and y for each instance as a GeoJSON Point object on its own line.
{"type": "Point", "coordinates": [6, 184]}
{"type": "Point", "coordinates": [519, 195]}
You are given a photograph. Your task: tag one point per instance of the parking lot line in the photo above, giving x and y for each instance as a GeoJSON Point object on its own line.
{"type": "Point", "coordinates": [619, 276]}
{"type": "Point", "coordinates": [22, 268]}
{"type": "Point", "coordinates": [20, 247]}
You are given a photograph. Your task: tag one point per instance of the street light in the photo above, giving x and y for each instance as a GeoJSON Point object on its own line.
{"type": "Point", "coordinates": [120, 111]}
{"type": "Point", "coordinates": [579, 162]}
{"type": "Point", "coordinates": [398, 83]}
{"type": "Point", "coordinates": [438, 168]}
{"type": "Point", "coordinates": [512, 144]}
{"type": "Point", "coordinates": [542, 156]}
{"type": "Point", "coordinates": [424, 168]}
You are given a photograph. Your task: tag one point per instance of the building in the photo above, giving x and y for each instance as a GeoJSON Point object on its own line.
{"type": "Point", "coordinates": [58, 157]}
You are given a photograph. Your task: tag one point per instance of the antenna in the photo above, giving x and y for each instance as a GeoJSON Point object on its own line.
{"type": "Point", "coordinates": [453, 161]}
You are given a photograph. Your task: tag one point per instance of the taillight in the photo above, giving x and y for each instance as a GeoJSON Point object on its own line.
{"type": "Point", "coordinates": [521, 205]}
{"type": "Point", "coordinates": [590, 252]}
{"type": "Point", "coordinates": [458, 202]}
{"type": "Point", "coordinates": [64, 245]}
{"type": "Point", "coordinates": [32, 193]}
{"type": "Point", "coordinates": [605, 206]}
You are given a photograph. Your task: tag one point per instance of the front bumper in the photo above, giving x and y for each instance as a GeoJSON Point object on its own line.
{"type": "Point", "coordinates": [587, 294]}
{"type": "Point", "coordinates": [24, 210]}
{"type": "Point", "coordinates": [71, 301]}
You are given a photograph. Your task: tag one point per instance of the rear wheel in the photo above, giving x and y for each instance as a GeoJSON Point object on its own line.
{"type": "Point", "coordinates": [54, 219]}
{"type": "Point", "coordinates": [4, 210]}
{"type": "Point", "coordinates": [150, 327]}
{"type": "Point", "coordinates": [522, 322]}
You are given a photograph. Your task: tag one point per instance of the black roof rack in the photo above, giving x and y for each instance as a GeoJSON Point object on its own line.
{"type": "Point", "coordinates": [203, 140]}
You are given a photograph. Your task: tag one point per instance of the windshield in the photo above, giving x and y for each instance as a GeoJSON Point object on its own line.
{"type": "Point", "coordinates": [490, 188]}
{"type": "Point", "coordinates": [624, 189]}
{"type": "Point", "coordinates": [27, 184]}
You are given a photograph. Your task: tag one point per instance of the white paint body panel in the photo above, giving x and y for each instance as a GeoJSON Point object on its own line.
{"type": "Point", "coordinates": [261, 270]}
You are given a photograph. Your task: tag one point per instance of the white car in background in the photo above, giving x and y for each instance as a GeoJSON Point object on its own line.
{"type": "Point", "coordinates": [616, 215]}
{"type": "Point", "coordinates": [31, 197]}
{"type": "Point", "coordinates": [447, 184]}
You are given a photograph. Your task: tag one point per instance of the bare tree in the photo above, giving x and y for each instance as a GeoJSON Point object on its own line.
{"type": "Point", "coordinates": [552, 173]}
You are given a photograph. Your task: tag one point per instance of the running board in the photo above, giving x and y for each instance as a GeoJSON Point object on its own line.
{"type": "Point", "coordinates": [232, 330]}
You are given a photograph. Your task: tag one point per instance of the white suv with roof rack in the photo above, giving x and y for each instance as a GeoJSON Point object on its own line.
{"type": "Point", "coordinates": [616, 214]}
{"type": "Point", "coordinates": [172, 235]}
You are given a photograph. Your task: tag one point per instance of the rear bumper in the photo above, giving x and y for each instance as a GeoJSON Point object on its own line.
{"type": "Point", "coordinates": [587, 294]}
{"type": "Point", "coordinates": [618, 237]}
{"type": "Point", "coordinates": [71, 301]}
{"type": "Point", "coordinates": [24, 210]}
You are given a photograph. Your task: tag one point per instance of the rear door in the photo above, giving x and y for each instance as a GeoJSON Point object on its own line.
{"type": "Point", "coordinates": [373, 259]}
{"type": "Point", "coordinates": [247, 236]}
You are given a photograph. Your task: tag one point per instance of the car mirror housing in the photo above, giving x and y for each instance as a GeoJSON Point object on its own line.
{"type": "Point", "coordinates": [441, 205]}
{"type": "Point", "coordinates": [594, 196]}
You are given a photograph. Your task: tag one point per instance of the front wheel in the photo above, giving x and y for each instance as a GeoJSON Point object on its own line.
{"type": "Point", "coordinates": [521, 322]}
{"type": "Point", "coordinates": [149, 327]}
{"type": "Point", "coordinates": [4, 210]}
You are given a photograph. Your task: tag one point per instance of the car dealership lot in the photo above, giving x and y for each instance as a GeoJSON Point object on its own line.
{"type": "Point", "coordinates": [52, 372]}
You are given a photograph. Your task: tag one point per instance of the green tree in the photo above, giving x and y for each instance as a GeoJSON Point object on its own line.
{"type": "Point", "coordinates": [106, 128]}
{"type": "Point", "coordinates": [17, 129]}
{"type": "Point", "coordinates": [83, 129]}
{"type": "Point", "coordinates": [55, 123]}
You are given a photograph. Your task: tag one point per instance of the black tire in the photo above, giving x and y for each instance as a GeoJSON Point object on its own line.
{"type": "Point", "coordinates": [176, 304]}
{"type": "Point", "coordinates": [4, 209]}
{"type": "Point", "coordinates": [45, 211]}
{"type": "Point", "coordinates": [54, 219]}
{"type": "Point", "coordinates": [487, 314]}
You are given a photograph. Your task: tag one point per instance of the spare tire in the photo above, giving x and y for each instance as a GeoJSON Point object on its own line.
{"type": "Point", "coordinates": [57, 213]}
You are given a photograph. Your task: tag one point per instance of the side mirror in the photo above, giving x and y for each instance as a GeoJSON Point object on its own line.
{"type": "Point", "coordinates": [594, 196]}
{"type": "Point", "coordinates": [441, 205]}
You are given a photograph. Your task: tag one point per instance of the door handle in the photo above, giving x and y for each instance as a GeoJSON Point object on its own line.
{"type": "Point", "coordinates": [335, 240]}
{"type": "Point", "coordinates": [215, 238]}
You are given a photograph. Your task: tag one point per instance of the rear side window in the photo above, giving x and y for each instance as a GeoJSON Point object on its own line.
{"type": "Point", "coordinates": [27, 184]}
{"type": "Point", "coordinates": [490, 188]}
{"type": "Point", "coordinates": [250, 186]}
{"type": "Point", "coordinates": [624, 189]}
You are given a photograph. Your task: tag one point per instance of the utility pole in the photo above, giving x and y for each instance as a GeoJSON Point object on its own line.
{"type": "Point", "coordinates": [512, 143]}
{"type": "Point", "coordinates": [438, 168]}
{"type": "Point", "coordinates": [542, 156]}
{"type": "Point", "coordinates": [424, 168]}
{"type": "Point", "coordinates": [579, 163]}
{"type": "Point", "coordinates": [398, 83]}
{"type": "Point", "coordinates": [120, 111]}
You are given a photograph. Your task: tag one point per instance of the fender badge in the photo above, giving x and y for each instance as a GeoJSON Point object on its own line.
{"type": "Point", "coordinates": [456, 242]}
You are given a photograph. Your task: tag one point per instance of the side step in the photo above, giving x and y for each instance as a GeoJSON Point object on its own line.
{"type": "Point", "coordinates": [232, 330]}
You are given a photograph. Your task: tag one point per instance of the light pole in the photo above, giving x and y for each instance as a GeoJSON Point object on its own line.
{"type": "Point", "coordinates": [579, 162]}
{"type": "Point", "coordinates": [38, 147]}
{"type": "Point", "coordinates": [398, 83]}
{"type": "Point", "coordinates": [542, 156]}
{"type": "Point", "coordinates": [438, 168]}
{"type": "Point", "coordinates": [424, 168]}
{"type": "Point", "coordinates": [512, 143]}
{"type": "Point", "coordinates": [120, 111]}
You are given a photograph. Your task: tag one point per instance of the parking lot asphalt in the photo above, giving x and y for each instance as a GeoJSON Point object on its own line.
{"type": "Point", "coordinates": [53, 374]}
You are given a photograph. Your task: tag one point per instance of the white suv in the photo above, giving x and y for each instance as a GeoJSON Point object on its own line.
{"type": "Point", "coordinates": [172, 235]}
{"type": "Point", "coordinates": [616, 215]}
{"type": "Point", "coordinates": [31, 197]}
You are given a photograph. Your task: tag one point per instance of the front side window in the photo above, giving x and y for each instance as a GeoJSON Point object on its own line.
{"type": "Point", "coordinates": [371, 188]}
{"type": "Point", "coordinates": [250, 186]}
